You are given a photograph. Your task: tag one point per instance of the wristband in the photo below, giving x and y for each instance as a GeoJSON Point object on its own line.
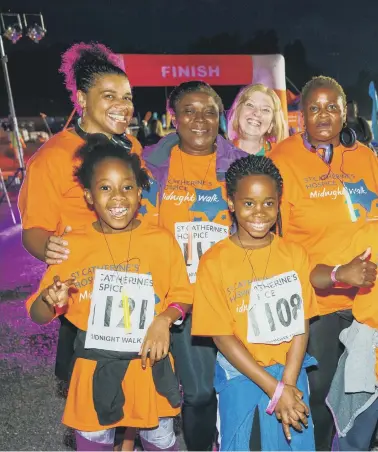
{"type": "Point", "coordinates": [276, 397]}
{"type": "Point", "coordinates": [182, 312]}
{"type": "Point", "coordinates": [60, 310]}
{"type": "Point", "coordinates": [333, 274]}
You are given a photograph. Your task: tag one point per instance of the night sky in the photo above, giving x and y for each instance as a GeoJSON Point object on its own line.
{"type": "Point", "coordinates": [339, 40]}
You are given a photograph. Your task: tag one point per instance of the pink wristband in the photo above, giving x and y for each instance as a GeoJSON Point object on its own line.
{"type": "Point", "coordinates": [276, 397]}
{"type": "Point", "coordinates": [333, 274]}
{"type": "Point", "coordinates": [179, 308]}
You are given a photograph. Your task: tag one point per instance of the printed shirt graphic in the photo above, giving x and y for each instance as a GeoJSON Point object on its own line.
{"type": "Point", "coordinates": [153, 252]}
{"type": "Point", "coordinates": [223, 290]}
{"type": "Point", "coordinates": [320, 212]}
{"type": "Point", "coordinates": [50, 197]}
{"type": "Point", "coordinates": [192, 196]}
{"type": "Point", "coordinates": [365, 305]}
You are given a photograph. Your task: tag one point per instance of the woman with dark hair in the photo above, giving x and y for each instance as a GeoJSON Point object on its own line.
{"type": "Point", "coordinates": [189, 167]}
{"type": "Point", "coordinates": [331, 190]}
{"type": "Point", "coordinates": [51, 201]}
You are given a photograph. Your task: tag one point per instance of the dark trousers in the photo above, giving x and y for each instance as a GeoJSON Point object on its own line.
{"type": "Point", "coordinates": [361, 434]}
{"type": "Point", "coordinates": [325, 346]}
{"type": "Point", "coordinates": [65, 349]}
{"type": "Point", "coordinates": [195, 365]}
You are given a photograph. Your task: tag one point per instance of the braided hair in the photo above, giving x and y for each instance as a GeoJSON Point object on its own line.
{"type": "Point", "coordinates": [321, 81]}
{"type": "Point", "coordinates": [98, 148]}
{"type": "Point", "coordinates": [254, 165]}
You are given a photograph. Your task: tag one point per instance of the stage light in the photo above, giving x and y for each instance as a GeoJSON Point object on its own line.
{"type": "Point", "coordinates": [13, 33]}
{"type": "Point", "coordinates": [36, 33]}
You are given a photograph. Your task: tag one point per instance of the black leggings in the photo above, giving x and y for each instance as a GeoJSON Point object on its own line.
{"type": "Point", "coordinates": [325, 346]}
{"type": "Point", "coordinates": [195, 366]}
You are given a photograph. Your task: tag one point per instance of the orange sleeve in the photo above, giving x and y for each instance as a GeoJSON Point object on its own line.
{"type": "Point", "coordinates": [41, 193]}
{"type": "Point", "coordinates": [211, 314]}
{"type": "Point", "coordinates": [180, 289]}
{"type": "Point", "coordinates": [304, 268]}
{"type": "Point", "coordinates": [358, 243]}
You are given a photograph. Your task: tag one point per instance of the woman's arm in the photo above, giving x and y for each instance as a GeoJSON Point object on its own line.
{"type": "Point", "coordinates": [45, 246]}
{"type": "Point", "coordinates": [359, 272]}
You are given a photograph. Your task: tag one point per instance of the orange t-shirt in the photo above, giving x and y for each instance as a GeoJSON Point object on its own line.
{"type": "Point", "coordinates": [222, 294]}
{"type": "Point", "coordinates": [152, 251]}
{"type": "Point", "coordinates": [315, 211]}
{"type": "Point", "coordinates": [50, 197]}
{"type": "Point", "coordinates": [365, 306]}
{"type": "Point", "coordinates": [194, 198]}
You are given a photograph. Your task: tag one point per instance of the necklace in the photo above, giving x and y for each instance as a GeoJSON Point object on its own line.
{"type": "Point", "coordinates": [249, 260]}
{"type": "Point", "coordinates": [125, 299]}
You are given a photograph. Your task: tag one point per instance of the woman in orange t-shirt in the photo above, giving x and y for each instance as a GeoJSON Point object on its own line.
{"type": "Point", "coordinates": [256, 121]}
{"type": "Point", "coordinates": [123, 287]}
{"type": "Point", "coordinates": [253, 296]}
{"type": "Point", "coordinates": [51, 202]}
{"type": "Point", "coordinates": [189, 168]}
{"type": "Point", "coordinates": [331, 189]}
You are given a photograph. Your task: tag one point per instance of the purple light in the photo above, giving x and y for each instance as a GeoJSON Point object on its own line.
{"type": "Point", "coordinates": [36, 33]}
{"type": "Point", "coordinates": [13, 33]}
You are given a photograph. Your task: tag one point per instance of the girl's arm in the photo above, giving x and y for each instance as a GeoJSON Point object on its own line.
{"type": "Point", "coordinates": [41, 312]}
{"type": "Point", "coordinates": [294, 357]}
{"type": "Point", "coordinates": [54, 297]}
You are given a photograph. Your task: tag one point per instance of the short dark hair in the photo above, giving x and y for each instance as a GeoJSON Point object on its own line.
{"type": "Point", "coordinates": [83, 63]}
{"type": "Point", "coordinates": [321, 81]}
{"type": "Point", "coordinates": [192, 87]}
{"type": "Point", "coordinates": [250, 166]}
{"type": "Point", "coordinates": [98, 148]}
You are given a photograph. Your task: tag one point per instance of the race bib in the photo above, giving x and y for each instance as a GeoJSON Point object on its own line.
{"type": "Point", "coordinates": [195, 238]}
{"type": "Point", "coordinates": [275, 312]}
{"type": "Point", "coordinates": [122, 309]}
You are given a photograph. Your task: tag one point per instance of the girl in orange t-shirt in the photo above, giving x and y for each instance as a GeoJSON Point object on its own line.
{"type": "Point", "coordinates": [254, 297]}
{"type": "Point", "coordinates": [122, 374]}
{"type": "Point", "coordinates": [256, 121]}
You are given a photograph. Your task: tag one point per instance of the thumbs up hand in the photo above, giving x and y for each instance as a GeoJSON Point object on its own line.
{"type": "Point", "coordinates": [359, 272]}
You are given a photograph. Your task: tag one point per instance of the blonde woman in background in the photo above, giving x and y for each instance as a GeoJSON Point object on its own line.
{"type": "Point", "coordinates": [256, 120]}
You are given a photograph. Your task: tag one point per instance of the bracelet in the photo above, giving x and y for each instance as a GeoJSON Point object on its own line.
{"type": "Point", "coordinates": [182, 312]}
{"type": "Point", "coordinates": [276, 397]}
{"type": "Point", "coordinates": [60, 310]}
{"type": "Point", "coordinates": [333, 274]}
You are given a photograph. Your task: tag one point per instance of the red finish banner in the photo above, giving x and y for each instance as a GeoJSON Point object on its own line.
{"type": "Point", "coordinates": [171, 70]}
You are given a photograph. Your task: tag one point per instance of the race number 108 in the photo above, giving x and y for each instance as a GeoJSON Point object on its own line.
{"type": "Point", "coordinates": [282, 311]}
